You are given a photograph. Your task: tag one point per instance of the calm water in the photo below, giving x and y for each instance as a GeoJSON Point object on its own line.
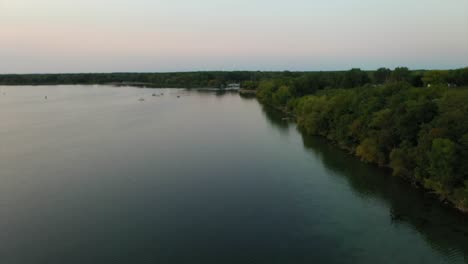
{"type": "Point", "coordinates": [93, 175]}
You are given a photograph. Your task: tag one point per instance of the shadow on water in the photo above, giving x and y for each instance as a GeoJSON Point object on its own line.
{"type": "Point", "coordinates": [445, 229]}
{"type": "Point", "coordinates": [277, 119]}
{"type": "Point", "coordinates": [248, 96]}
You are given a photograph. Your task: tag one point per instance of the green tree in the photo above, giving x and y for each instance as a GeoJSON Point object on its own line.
{"type": "Point", "coordinates": [282, 96]}
{"type": "Point", "coordinates": [401, 74]}
{"type": "Point", "coordinates": [355, 78]}
{"type": "Point", "coordinates": [442, 161]}
{"type": "Point", "coordinates": [435, 77]}
{"type": "Point", "coordinates": [402, 160]}
{"type": "Point", "coordinates": [382, 75]}
{"type": "Point", "coordinates": [369, 151]}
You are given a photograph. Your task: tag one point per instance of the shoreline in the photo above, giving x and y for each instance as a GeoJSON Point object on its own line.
{"type": "Point", "coordinates": [447, 202]}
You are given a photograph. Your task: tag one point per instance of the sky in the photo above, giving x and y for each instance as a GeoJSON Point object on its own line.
{"type": "Point", "coordinates": [55, 36]}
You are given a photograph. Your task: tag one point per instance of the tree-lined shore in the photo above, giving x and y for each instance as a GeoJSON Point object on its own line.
{"type": "Point", "coordinates": [304, 82]}
{"type": "Point", "coordinates": [414, 122]}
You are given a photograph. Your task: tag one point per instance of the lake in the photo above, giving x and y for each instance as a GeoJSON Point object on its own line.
{"type": "Point", "coordinates": [100, 174]}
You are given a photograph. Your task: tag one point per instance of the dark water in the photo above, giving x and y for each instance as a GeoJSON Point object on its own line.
{"type": "Point", "coordinates": [93, 175]}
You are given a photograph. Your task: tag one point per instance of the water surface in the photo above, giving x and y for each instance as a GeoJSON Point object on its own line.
{"type": "Point", "coordinates": [94, 175]}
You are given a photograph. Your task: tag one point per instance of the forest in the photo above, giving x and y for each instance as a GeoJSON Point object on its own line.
{"type": "Point", "coordinates": [413, 122]}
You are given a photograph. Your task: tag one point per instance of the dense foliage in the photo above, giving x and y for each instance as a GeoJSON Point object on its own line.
{"type": "Point", "coordinates": [302, 82]}
{"type": "Point", "coordinates": [421, 133]}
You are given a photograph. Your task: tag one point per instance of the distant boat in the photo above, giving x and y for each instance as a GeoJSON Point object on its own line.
{"type": "Point", "coordinates": [141, 99]}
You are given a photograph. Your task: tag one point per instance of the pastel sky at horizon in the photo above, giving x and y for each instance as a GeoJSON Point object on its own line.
{"type": "Point", "coordinates": [54, 36]}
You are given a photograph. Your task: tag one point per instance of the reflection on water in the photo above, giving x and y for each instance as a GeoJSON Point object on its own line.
{"type": "Point", "coordinates": [445, 229]}
{"type": "Point", "coordinates": [276, 118]}
{"type": "Point", "coordinates": [94, 175]}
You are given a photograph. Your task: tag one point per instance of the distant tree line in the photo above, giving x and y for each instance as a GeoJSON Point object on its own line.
{"type": "Point", "coordinates": [301, 83]}
{"type": "Point", "coordinates": [158, 80]}
{"type": "Point", "coordinates": [414, 122]}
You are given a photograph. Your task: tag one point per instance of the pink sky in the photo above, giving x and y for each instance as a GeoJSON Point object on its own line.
{"type": "Point", "coordinates": [63, 36]}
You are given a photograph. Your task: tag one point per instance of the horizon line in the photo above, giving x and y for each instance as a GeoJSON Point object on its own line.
{"type": "Point", "coordinates": [198, 71]}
